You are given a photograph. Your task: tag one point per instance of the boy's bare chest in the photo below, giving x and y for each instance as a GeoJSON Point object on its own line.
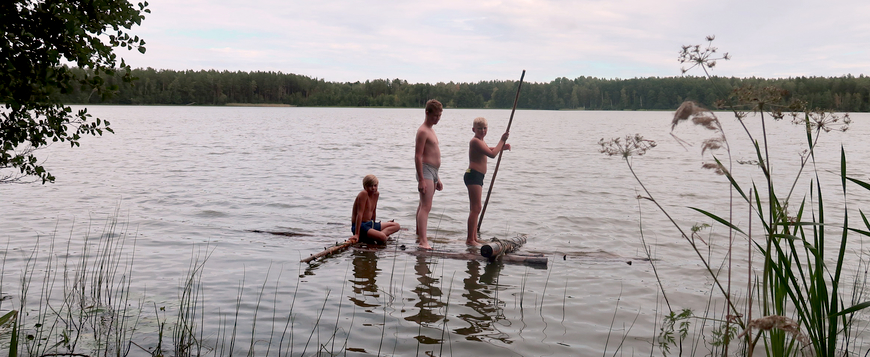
{"type": "Point", "coordinates": [433, 139]}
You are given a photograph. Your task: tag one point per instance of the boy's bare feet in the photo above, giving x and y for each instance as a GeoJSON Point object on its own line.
{"type": "Point", "coordinates": [423, 245]}
{"type": "Point", "coordinates": [474, 244]}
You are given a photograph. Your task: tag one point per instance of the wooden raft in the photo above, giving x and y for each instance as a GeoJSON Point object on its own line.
{"type": "Point", "coordinates": [496, 249]}
{"type": "Point", "coordinates": [327, 251]}
{"type": "Point", "coordinates": [534, 260]}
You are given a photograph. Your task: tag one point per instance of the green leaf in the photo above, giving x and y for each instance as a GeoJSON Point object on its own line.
{"type": "Point", "coordinates": [8, 317]}
{"type": "Point", "coordinates": [718, 219]}
{"type": "Point", "coordinates": [854, 308]}
{"type": "Point", "coordinates": [860, 183]}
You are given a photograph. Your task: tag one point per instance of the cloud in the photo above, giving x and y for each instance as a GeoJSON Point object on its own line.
{"type": "Point", "coordinates": [469, 41]}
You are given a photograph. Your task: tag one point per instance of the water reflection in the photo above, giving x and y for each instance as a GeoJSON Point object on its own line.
{"type": "Point", "coordinates": [365, 269]}
{"type": "Point", "coordinates": [429, 298]}
{"type": "Point", "coordinates": [481, 290]}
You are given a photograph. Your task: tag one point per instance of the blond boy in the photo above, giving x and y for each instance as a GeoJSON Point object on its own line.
{"type": "Point", "coordinates": [427, 161]}
{"type": "Point", "coordinates": [365, 211]}
{"type": "Point", "coordinates": [478, 151]}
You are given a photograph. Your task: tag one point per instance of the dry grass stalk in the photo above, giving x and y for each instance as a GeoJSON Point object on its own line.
{"type": "Point", "coordinates": [706, 119]}
{"type": "Point", "coordinates": [781, 323]}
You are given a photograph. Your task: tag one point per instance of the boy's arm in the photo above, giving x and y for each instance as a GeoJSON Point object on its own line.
{"type": "Point", "coordinates": [359, 206]}
{"type": "Point", "coordinates": [502, 144]}
{"type": "Point", "coordinates": [479, 145]}
{"type": "Point", "coordinates": [375, 208]}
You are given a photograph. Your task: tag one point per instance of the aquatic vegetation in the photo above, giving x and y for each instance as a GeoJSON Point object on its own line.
{"type": "Point", "coordinates": [798, 290]}
{"type": "Point", "coordinates": [91, 306]}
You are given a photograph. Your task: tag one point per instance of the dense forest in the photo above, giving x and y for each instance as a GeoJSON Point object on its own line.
{"type": "Point", "coordinates": [844, 94]}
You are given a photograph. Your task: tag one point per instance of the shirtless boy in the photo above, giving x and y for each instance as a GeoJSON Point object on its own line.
{"type": "Point", "coordinates": [365, 211]}
{"type": "Point", "coordinates": [478, 151]}
{"type": "Point", "coordinates": [427, 160]}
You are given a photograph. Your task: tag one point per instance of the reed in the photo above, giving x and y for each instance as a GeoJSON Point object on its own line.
{"type": "Point", "coordinates": [81, 304]}
{"type": "Point", "coordinates": [92, 310]}
{"type": "Point", "coordinates": [101, 271]}
{"type": "Point", "coordinates": [187, 335]}
{"type": "Point", "coordinates": [798, 288]}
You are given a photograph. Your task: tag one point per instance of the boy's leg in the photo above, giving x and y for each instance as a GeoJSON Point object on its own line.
{"type": "Point", "coordinates": [474, 192]}
{"type": "Point", "coordinates": [377, 236]}
{"type": "Point", "coordinates": [389, 228]}
{"type": "Point", "coordinates": [423, 213]}
{"type": "Point", "coordinates": [382, 236]}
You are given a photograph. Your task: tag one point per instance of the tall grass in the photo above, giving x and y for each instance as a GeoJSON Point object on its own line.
{"type": "Point", "coordinates": [798, 287]}
{"type": "Point", "coordinates": [93, 310]}
{"type": "Point", "coordinates": [81, 302]}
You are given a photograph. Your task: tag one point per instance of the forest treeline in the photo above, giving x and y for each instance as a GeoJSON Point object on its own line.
{"type": "Point", "coordinates": [170, 87]}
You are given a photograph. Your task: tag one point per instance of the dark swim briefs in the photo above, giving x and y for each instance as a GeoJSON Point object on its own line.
{"type": "Point", "coordinates": [364, 229]}
{"type": "Point", "coordinates": [473, 177]}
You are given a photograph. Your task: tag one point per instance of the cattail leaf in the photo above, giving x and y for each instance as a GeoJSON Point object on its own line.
{"type": "Point", "coordinates": [731, 179]}
{"type": "Point", "coordinates": [718, 219]}
{"type": "Point", "coordinates": [853, 308]}
{"type": "Point", "coordinates": [859, 183]}
{"type": "Point", "coordinates": [7, 317]}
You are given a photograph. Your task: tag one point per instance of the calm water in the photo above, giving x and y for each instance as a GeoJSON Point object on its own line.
{"type": "Point", "coordinates": [187, 182]}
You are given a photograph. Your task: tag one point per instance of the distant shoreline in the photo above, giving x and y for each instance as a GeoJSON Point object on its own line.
{"type": "Point", "coordinates": [168, 87]}
{"type": "Point", "coordinates": [257, 105]}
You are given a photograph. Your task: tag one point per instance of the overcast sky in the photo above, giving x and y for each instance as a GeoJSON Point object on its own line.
{"type": "Point", "coordinates": [478, 40]}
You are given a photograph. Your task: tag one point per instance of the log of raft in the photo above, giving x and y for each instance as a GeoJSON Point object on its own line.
{"type": "Point", "coordinates": [327, 251]}
{"type": "Point", "coordinates": [534, 260]}
{"type": "Point", "coordinates": [498, 247]}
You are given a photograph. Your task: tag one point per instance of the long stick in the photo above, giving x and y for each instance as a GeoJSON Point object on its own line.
{"type": "Point", "coordinates": [495, 172]}
{"type": "Point", "coordinates": [327, 251]}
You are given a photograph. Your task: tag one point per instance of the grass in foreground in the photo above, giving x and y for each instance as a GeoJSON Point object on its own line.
{"type": "Point", "coordinates": [794, 303]}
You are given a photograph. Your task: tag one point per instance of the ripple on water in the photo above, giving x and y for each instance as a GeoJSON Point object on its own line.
{"type": "Point", "coordinates": [211, 214]}
{"type": "Point", "coordinates": [193, 183]}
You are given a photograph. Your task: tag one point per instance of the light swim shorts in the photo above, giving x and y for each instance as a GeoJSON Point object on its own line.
{"type": "Point", "coordinates": [430, 172]}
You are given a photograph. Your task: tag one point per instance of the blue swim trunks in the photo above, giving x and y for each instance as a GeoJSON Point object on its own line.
{"type": "Point", "coordinates": [473, 177]}
{"type": "Point", "coordinates": [364, 229]}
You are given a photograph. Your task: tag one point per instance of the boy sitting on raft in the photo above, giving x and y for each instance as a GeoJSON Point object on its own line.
{"type": "Point", "coordinates": [365, 206]}
{"type": "Point", "coordinates": [478, 151]}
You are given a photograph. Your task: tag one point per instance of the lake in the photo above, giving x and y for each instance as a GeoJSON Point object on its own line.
{"type": "Point", "coordinates": [193, 184]}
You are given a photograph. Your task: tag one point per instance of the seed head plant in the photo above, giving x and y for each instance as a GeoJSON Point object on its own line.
{"type": "Point", "coordinates": [796, 291]}
{"type": "Point", "coordinates": [631, 145]}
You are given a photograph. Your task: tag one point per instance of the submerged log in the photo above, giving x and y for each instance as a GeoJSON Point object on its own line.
{"type": "Point", "coordinates": [499, 247]}
{"type": "Point", "coordinates": [327, 251]}
{"type": "Point", "coordinates": [281, 233]}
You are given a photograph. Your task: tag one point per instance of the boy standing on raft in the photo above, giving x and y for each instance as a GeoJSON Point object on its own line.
{"type": "Point", "coordinates": [365, 210]}
{"type": "Point", "coordinates": [478, 151]}
{"type": "Point", "coordinates": [427, 161]}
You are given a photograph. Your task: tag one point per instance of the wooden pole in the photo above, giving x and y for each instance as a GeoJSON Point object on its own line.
{"type": "Point", "coordinates": [495, 172]}
{"type": "Point", "coordinates": [327, 251]}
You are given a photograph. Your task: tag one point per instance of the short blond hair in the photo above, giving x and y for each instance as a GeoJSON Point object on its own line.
{"type": "Point", "coordinates": [479, 122]}
{"type": "Point", "coordinates": [370, 180]}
